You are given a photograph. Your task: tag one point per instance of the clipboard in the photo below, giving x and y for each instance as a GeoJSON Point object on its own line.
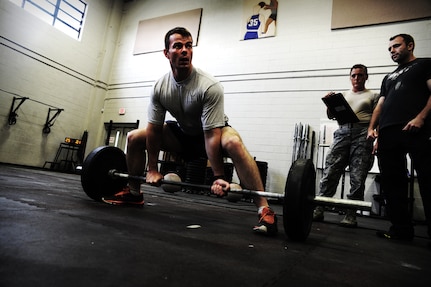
{"type": "Point", "coordinates": [340, 109]}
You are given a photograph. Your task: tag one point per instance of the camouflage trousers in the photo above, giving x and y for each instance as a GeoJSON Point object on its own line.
{"type": "Point", "coordinates": [349, 148]}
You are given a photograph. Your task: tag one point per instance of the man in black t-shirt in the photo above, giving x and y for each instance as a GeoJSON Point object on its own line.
{"type": "Point", "coordinates": [403, 119]}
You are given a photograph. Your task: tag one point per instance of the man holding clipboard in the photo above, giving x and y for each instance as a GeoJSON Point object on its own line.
{"type": "Point", "coordinates": [352, 110]}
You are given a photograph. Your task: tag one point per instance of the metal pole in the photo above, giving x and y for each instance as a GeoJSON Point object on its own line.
{"type": "Point", "coordinates": [318, 200]}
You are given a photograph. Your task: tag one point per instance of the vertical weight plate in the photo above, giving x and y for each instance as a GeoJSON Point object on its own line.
{"type": "Point", "coordinates": [298, 199]}
{"type": "Point", "coordinates": [95, 179]}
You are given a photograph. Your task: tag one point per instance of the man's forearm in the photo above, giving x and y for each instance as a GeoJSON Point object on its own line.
{"type": "Point", "coordinates": [376, 115]}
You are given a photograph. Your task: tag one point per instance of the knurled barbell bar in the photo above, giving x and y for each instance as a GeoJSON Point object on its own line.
{"type": "Point", "coordinates": [102, 175]}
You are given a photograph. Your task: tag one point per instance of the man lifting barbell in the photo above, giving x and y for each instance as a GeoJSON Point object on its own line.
{"type": "Point", "coordinates": [196, 100]}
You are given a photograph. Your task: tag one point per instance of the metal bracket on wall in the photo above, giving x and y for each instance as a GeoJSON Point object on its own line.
{"type": "Point", "coordinates": [12, 113]}
{"type": "Point", "coordinates": [50, 120]}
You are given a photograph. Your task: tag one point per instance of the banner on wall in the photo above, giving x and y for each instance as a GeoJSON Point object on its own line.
{"type": "Point", "coordinates": [259, 19]}
{"type": "Point", "coordinates": [151, 32]}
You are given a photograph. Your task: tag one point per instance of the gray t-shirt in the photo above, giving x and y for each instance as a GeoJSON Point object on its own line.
{"type": "Point", "coordinates": [196, 103]}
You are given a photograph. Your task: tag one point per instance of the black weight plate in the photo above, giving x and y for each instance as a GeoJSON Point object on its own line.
{"type": "Point", "coordinates": [298, 199]}
{"type": "Point", "coordinates": [95, 179]}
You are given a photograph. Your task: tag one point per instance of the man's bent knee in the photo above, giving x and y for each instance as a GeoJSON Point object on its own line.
{"type": "Point", "coordinates": [136, 137]}
{"type": "Point", "coordinates": [232, 143]}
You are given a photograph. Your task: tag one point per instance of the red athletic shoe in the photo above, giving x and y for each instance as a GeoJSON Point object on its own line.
{"type": "Point", "coordinates": [267, 222]}
{"type": "Point", "coordinates": [125, 197]}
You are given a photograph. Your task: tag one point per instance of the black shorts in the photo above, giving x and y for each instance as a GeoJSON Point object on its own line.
{"type": "Point", "coordinates": [193, 147]}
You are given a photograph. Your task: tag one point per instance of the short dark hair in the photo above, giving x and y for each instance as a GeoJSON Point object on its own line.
{"type": "Point", "coordinates": [177, 30]}
{"type": "Point", "coordinates": [360, 66]}
{"type": "Point", "coordinates": [406, 37]}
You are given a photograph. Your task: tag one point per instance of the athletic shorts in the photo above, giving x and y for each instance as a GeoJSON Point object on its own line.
{"type": "Point", "coordinates": [193, 146]}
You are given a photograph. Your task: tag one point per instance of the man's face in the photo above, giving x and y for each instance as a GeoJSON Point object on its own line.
{"type": "Point", "coordinates": [399, 50]}
{"type": "Point", "coordinates": [358, 79]}
{"type": "Point", "coordinates": [180, 52]}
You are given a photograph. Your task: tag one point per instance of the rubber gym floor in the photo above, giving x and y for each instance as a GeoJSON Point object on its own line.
{"type": "Point", "coordinates": [52, 234]}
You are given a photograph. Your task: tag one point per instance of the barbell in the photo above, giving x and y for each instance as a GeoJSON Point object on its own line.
{"type": "Point", "coordinates": [103, 175]}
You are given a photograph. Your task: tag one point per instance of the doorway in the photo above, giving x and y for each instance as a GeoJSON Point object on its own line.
{"type": "Point", "coordinates": [116, 133]}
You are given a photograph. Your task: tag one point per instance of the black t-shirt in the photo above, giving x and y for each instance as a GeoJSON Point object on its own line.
{"type": "Point", "coordinates": [406, 93]}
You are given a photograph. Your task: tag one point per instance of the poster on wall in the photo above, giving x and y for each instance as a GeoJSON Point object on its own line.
{"type": "Point", "coordinates": [151, 32]}
{"type": "Point", "coordinates": [259, 19]}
